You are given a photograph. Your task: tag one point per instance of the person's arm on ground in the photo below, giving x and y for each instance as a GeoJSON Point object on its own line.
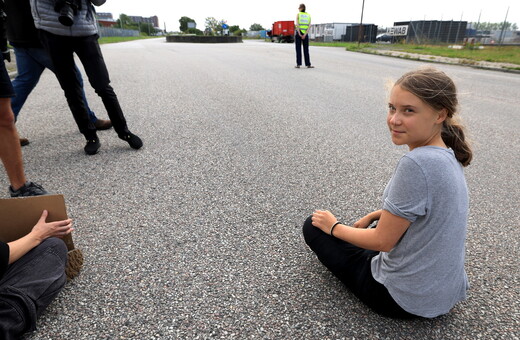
{"type": "Point", "coordinates": [41, 231]}
{"type": "Point", "coordinates": [390, 229]}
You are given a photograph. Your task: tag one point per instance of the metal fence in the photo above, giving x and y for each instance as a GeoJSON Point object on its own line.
{"type": "Point", "coordinates": [427, 31]}
{"type": "Point", "coordinates": [117, 32]}
{"type": "Point", "coordinates": [368, 33]}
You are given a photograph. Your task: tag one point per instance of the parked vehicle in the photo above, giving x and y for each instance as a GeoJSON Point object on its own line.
{"type": "Point", "coordinates": [384, 37]}
{"type": "Point", "coordinates": [283, 31]}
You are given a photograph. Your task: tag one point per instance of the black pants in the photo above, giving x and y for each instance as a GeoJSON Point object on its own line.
{"type": "Point", "coordinates": [351, 265]}
{"type": "Point", "coordinates": [61, 50]}
{"type": "Point", "coordinates": [298, 43]}
{"type": "Point", "coordinates": [29, 285]}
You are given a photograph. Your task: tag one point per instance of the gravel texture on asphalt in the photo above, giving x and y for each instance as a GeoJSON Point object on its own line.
{"type": "Point", "coordinates": [198, 234]}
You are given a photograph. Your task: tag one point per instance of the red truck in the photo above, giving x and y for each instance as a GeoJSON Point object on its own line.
{"type": "Point", "coordinates": [283, 31]}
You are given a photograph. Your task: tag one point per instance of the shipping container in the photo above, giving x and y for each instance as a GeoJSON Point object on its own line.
{"type": "Point", "coordinates": [283, 31]}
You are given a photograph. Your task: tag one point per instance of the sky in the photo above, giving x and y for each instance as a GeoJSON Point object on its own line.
{"type": "Point", "coordinates": [378, 12]}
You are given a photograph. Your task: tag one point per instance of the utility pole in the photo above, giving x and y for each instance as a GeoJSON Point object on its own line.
{"type": "Point", "coordinates": [458, 28]}
{"type": "Point", "coordinates": [501, 39]}
{"type": "Point", "coordinates": [478, 22]}
{"type": "Point", "coordinates": [360, 32]}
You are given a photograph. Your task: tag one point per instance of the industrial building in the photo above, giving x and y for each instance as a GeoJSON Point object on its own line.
{"type": "Point", "coordinates": [429, 31]}
{"type": "Point", "coordinates": [328, 32]}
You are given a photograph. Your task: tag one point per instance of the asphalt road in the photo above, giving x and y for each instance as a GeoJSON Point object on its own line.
{"type": "Point", "coordinates": [198, 234]}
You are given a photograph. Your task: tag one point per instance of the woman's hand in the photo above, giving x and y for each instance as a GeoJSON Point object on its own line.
{"type": "Point", "coordinates": [324, 220]}
{"type": "Point", "coordinates": [363, 222]}
{"type": "Point", "coordinates": [43, 230]}
{"type": "Point", "coordinates": [367, 220]}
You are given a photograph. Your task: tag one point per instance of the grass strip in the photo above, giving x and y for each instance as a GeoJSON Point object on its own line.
{"type": "Point", "coordinates": [501, 54]}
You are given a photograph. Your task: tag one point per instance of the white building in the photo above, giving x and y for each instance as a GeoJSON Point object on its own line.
{"type": "Point", "coordinates": [328, 32]}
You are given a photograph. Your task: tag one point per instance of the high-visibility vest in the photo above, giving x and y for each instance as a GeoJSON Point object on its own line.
{"type": "Point", "coordinates": [304, 21]}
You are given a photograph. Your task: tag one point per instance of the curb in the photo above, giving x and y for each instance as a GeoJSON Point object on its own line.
{"type": "Point", "coordinates": [438, 60]}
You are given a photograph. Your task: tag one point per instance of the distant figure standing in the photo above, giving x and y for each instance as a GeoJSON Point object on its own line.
{"type": "Point", "coordinates": [303, 23]}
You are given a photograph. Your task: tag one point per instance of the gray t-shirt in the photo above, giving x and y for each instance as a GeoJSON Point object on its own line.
{"type": "Point", "coordinates": [424, 272]}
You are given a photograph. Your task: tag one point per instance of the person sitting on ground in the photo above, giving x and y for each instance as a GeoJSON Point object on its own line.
{"type": "Point", "coordinates": [10, 151]}
{"type": "Point", "coordinates": [412, 263]}
{"type": "Point", "coordinates": [80, 37]}
{"type": "Point", "coordinates": [32, 59]}
{"type": "Point", "coordinates": [32, 273]}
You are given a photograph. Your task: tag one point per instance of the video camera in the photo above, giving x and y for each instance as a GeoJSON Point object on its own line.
{"type": "Point", "coordinates": [67, 9]}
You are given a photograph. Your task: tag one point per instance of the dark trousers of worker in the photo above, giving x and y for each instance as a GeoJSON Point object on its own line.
{"type": "Point", "coordinates": [298, 42]}
{"type": "Point", "coordinates": [352, 265]}
{"type": "Point", "coordinates": [61, 50]}
{"type": "Point", "coordinates": [29, 285]}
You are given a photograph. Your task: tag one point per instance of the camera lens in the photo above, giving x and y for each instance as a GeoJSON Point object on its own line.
{"type": "Point", "coordinates": [66, 16]}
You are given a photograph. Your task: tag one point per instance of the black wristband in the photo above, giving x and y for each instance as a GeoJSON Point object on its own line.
{"type": "Point", "coordinates": [333, 226]}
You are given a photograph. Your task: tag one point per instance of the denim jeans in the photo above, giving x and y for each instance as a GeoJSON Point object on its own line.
{"type": "Point", "coordinates": [29, 285]}
{"type": "Point", "coordinates": [31, 62]}
{"type": "Point", "coordinates": [298, 43]}
{"type": "Point", "coordinates": [352, 266]}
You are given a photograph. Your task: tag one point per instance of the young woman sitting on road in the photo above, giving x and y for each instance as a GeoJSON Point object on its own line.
{"type": "Point", "coordinates": [412, 263]}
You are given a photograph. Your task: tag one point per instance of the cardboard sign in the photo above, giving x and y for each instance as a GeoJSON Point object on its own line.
{"type": "Point", "coordinates": [19, 215]}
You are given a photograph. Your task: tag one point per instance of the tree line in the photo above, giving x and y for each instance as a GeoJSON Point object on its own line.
{"type": "Point", "coordinates": [212, 26]}
{"type": "Point", "coordinates": [494, 26]}
{"type": "Point", "coordinates": [144, 28]}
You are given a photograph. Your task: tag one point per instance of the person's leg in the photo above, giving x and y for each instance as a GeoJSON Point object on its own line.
{"type": "Point", "coordinates": [29, 72]}
{"type": "Point", "coordinates": [10, 150]}
{"type": "Point", "coordinates": [352, 266]}
{"type": "Point", "coordinates": [298, 44]}
{"type": "Point", "coordinates": [89, 52]}
{"type": "Point", "coordinates": [30, 284]}
{"type": "Point", "coordinates": [61, 52]}
{"type": "Point", "coordinates": [40, 58]}
{"type": "Point", "coordinates": [306, 51]}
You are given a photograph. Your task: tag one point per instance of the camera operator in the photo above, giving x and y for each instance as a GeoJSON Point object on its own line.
{"type": "Point", "coordinates": [32, 59]}
{"type": "Point", "coordinates": [81, 37]}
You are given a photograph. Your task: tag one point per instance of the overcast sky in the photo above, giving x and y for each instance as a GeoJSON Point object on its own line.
{"type": "Point", "coordinates": [380, 12]}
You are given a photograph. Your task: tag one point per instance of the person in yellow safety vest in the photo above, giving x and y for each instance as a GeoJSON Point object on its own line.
{"type": "Point", "coordinates": [303, 23]}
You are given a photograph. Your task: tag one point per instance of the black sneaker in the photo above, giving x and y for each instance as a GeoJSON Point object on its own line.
{"type": "Point", "coordinates": [92, 146]}
{"type": "Point", "coordinates": [28, 189]}
{"type": "Point", "coordinates": [134, 141]}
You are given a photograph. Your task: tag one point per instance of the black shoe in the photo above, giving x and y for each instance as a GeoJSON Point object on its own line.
{"type": "Point", "coordinates": [28, 189]}
{"type": "Point", "coordinates": [134, 141]}
{"type": "Point", "coordinates": [103, 124]}
{"type": "Point", "coordinates": [297, 66]}
{"type": "Point", "coordinates": [24, 141]}
{"type": "Point", "coordinates": [310, 66]}
{"type": "Point", "coordinates": [92, 146]}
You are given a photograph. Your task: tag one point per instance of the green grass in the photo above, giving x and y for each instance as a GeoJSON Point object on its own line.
{"type": "Point", "coordinates": [111, 40]}
{"type": "Point", "coordinates": [349, 46]}
{"type": "Point", "coordinates": [504, 54]}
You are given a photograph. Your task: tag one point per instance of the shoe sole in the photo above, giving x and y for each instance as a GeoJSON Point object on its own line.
{"type": "Point", "coordinates": [74, 263]}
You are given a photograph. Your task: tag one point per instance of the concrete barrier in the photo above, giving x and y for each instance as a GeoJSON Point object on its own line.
{"type": "Point", "coordinates": [203, 39]}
